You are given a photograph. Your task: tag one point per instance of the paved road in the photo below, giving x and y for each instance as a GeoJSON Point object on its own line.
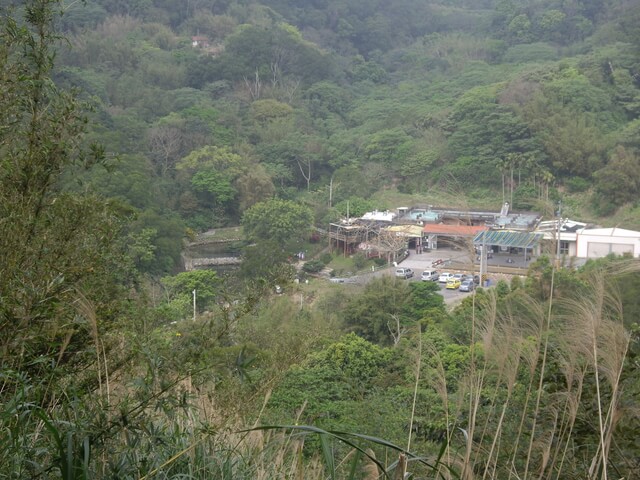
{"type": "Point", "coordinates": [424, 261]}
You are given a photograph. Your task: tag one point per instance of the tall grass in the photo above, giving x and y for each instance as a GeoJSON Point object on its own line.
{"type": "Point", "coordinates": [542, 398]}
{"type": "Point", "coordinates": [534, 363]}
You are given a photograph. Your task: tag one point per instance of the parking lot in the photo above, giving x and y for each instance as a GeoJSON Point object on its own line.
{"type": "Point", "coordinates": [446, 260]}
{"type": "Point", "coordinates": [501, 266]}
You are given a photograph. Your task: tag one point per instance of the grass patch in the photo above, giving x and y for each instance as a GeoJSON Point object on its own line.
{"type": "Point", "coordinates": [341, 264]}
{"type": "Point", "coordinates": [450, 196]}
{"type": "Point", "coordinates": [627, 217]}
{"type": "Point", "coordinates": [224, 234]}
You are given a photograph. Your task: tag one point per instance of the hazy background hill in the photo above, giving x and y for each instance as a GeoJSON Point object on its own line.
{"type": "Point", "coordinates": [484, 100]}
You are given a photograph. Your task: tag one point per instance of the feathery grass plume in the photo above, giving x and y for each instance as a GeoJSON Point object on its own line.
{"type": "Point", "coordinates": [86, 309]}
{"type": "Point", "coordinates": [438, 381]}
{"type": "Point", "coordinates": [544, 340]}
{"type": "Point", "coordinates": [603, 342]}
{"type": "Point", "coordinates": [370, 469]}
{"type": "Point", "coordinates": [482, 328]}
{"type": "Point", "coordinates": [503, 349]}
{"type": "Point", "coordinates": [415, 387]}
{"type": "Point", "coordinates": [507, 362]}
{"type": "Point", "coordinates": [486, 330]}
{"type": "Point", "coordinates": [570, 404]}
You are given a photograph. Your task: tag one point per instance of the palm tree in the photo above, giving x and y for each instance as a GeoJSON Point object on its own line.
{"type": "Point", "coordinates": [513, 160]}
{"type": "Point", "coordinates": [546, 179]}
{"type": "Point", "coordinates": [503, 165]}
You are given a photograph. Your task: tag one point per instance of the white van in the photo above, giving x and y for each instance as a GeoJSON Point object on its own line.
{"type": "Point", "coordinates": [430, 276]}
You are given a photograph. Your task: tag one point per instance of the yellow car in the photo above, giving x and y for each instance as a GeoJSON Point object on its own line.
{"type": "Point", "coordinates": [453, 284]}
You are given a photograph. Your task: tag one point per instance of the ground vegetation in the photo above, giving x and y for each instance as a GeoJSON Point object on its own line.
{"type": "Point", "coordinates": [127, 127]}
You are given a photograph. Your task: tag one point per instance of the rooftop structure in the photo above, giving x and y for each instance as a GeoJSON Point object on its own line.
{"type": "Point", "coordinates": [499, 220]}
{"type": "Point", "coordinates": [517, 221]}
{"type": "Point", "coordinates": [385, 216]}
{"type": "Point", "coordinates": [454, 230]}
{"type": "Point", "coordinates": [416, 215]}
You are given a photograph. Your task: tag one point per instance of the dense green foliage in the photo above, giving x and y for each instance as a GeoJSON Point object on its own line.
{"type": "Point", "coordinates": [333, 101]}
{"type": "Point", "coordinates": [288, 114]}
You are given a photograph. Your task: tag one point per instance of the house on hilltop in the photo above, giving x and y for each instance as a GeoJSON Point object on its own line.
{"type": "Point", "coordinates": [200, 41]}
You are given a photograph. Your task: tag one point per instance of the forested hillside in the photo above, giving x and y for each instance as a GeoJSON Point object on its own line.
{"type": "Point", "coordinates": [128, 126]}
{"type": "Point", "coordinates": [540, 99]}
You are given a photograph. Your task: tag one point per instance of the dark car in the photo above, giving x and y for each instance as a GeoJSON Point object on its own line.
{"type": "Point", "coordinates": [467, 286]}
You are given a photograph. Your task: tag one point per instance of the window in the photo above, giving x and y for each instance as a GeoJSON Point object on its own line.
{"type": "Point", "coordinates": [564, 247]}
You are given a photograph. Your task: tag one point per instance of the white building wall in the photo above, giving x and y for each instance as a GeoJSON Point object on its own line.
{"type": "Point", "coordinates": [600, 242]}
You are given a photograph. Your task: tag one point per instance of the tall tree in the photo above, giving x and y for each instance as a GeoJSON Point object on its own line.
{"type": "Point", "coordinates": [619, 181]}
{"type": "Point", "coordinates": [55, 246]}
{"type": "Point", "coordinates": [283, 221]}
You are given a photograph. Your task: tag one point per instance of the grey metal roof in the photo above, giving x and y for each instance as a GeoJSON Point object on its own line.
{"type": "Point", "coordinates": [507, 238]}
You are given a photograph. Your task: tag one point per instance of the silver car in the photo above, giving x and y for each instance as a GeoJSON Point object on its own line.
{"type": "Point", "coordinates": [404, 272]}
{"type": "Point", "coordinates": [430, 276]}
{"type": "Point", "coordinates": [467, 286]}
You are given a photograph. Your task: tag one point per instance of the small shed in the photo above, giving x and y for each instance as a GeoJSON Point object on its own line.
{"type": "Point", "coordinates": [200, 41]}
{"type": "Point", "coordinates": [412, 233]}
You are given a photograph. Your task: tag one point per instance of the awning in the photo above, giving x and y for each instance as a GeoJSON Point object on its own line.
{"type": "Point", "coordinates": [507, 238]}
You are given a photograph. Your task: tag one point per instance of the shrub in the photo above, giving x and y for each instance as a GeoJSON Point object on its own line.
{"type": "Point", "coordinates": [359, 261]}
{"type": "Point", "coordinates": [502, 288]}
{"type": "Point", "coordinates": [577, 185]}
{"type": "Point", "coordinates": [313, 266]}
{"type": "Point", "coordinates": [326, 258]}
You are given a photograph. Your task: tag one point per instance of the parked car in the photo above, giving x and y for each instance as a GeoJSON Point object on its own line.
{"type": "Point", "coordinates": [430, 276]}
{"type": "Point", "coordinates": [453, 284]}
{"type": "Point", "coordinates": [467, 286]}
{"type": "Point", "coordinates": [444, 277]}
{"type": "Point", "coordinates": [460, 276]}
{"type": "Point", "coordinates": [404, 272]}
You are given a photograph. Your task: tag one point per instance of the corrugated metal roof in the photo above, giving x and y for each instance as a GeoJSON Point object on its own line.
{"type": "Point", "coordinates": [406, 230]}
{"type": "Point", "coordinates": [611, 232]}
{"type": "Point", "coordinates": [508, 238]}
{"type": "Point", "coordinates": [453, 230]}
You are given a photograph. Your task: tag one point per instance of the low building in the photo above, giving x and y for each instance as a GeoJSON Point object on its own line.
{"type": "Point", "coordinates": [600, 242]}
{"type": "Point", "coordinates": [564, 230]}
{"type": "Point", "coordinates": [411, 234]}
{"type": "Point", "coordinates": [200, 41]}
{"type": "Point", "coordinates": [459, 236]}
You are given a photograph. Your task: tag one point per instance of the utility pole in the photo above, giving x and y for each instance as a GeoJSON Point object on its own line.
{"type": "Point", "coordinates": [194, 304]}
{"type": "Point", "coordinates": [483, 258]}
{"type": "Point", "coordinates": [559, 220]}
{"type": "Point", "coordinates": [331, 192]}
